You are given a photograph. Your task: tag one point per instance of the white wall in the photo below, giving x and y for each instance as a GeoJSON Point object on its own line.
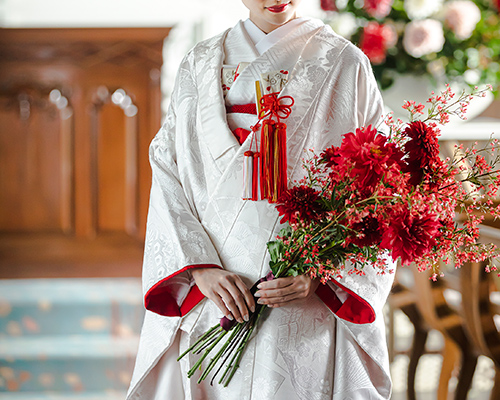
{"type": "Point", "coordinates": [194, 20]}
{"type": "Point", "coordinates": [216, 14]}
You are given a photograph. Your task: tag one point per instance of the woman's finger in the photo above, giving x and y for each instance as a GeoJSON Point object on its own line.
{"type": "Point", "coordinates": [249, 300]}
{"type": "Point", "coordinates": [276, 283]}
{"type": "Point", "coordinates": [291, 290]}
{"type": "Point", "coordinates": [238, 305]}
{"type": "Point", "coordinates": [221, 305]}
{"type": "Point", "coordinates": [281, 300]}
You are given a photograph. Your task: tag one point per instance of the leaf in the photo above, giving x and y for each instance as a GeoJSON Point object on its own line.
{"type": "Point", "coordinates": [275, 250]}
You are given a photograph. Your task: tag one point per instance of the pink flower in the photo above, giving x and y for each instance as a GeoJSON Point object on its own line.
{"type": "Point", "coordinates": [378, 8]}
{"type": "Point", "coordinates": [423, 37]}
{"type": "Point", "coordinates": [462, 17]}
{"type": "Point", "coordinates": [376, 39]}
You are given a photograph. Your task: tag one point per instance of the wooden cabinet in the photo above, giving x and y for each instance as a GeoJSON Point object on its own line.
{"type": "Point", "coordinates": [78, 109]}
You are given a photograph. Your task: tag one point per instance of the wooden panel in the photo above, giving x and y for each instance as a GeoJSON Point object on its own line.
{"type": "Point", "coordinates": [84, 178]}
{"type": "Point", "coordinates": [116, 148]}
{"type": "Point", "coordinates": [35, 159]}
{"type": "Point", "coordinates": [111, 165]}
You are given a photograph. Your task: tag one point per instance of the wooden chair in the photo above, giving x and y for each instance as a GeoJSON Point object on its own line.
{"type": "Point", "coordinates": [403, 297]}
{"type": "Point", "coordinates": [480, 304]}
{"type": "Point", "coordinates": [425, 305]}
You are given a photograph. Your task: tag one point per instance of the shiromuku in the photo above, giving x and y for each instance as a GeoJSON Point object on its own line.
{"type": "Point", "coordinates": [206, 240]}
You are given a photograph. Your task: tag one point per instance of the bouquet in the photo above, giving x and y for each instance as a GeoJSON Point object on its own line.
{"type": "Point", "coordinates": [375, 196]}
{"type": "Point", "coordinates": [451, 40]}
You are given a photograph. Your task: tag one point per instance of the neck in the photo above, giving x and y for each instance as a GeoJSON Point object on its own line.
{"type": "Point", "coordinates": [268, 27]}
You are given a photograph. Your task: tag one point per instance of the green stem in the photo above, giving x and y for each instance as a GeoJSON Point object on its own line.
{"type": "Point", "coordinates": [217, 357]}
{"type": "Point", "coordinates": [207, 342]}
{"type": "Point", "coordinates": [200, 339]}
{"type": "Point", "coordinates": [229, 352]}
{"type": "Point", "coordinates": [239, 354]}
{"type": "Point", "coordinates": [241, 348]}
{"type": "Point", "coordinates": [191, 372]}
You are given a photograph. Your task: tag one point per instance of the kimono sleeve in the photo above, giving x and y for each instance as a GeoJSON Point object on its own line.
{"type": "Point", "coordinates": [359, 299]}
{"type": "Point", "coordinates": [175, 239]}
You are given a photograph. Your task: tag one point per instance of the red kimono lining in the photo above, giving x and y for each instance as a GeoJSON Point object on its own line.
{"type": "Point", "coordinates": [160, 300]}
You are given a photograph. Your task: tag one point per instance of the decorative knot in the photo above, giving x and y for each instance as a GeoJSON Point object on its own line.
{"type": "Point", "coordinates": [272, 105]}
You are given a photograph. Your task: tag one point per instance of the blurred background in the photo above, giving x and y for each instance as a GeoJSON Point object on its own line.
{"type": "Point", "coordinates": [83, 90]}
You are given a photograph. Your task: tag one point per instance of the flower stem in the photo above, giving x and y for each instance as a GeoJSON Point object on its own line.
{"type": "Point", "coordinates": [239, 354]}
{"type": "Point", "coordinates": [200, 339]}
{"type": "Point", "coordinates": [207, 342]}
{"type": "Point", "coordinates": [222, 333]}
{"type": "Point", "coordinates": [217, 357]}
{"type": "Point", "coordinates": [228, 351]}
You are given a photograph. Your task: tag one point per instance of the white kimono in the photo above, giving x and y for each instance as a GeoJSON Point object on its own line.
{"type": "Point", "coordinates": [332, 346]}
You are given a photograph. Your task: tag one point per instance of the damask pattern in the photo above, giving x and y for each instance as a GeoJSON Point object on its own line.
{"type": "Point", "coordinates": [197, 216]}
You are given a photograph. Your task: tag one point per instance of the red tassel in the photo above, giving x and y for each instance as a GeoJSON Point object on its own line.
{"type": "Point", "coordinates": [271, 170]}
{"type": "Point", "coordinates": [282, 177]}
{"type": "Point", "coordinates": [265, 159]}
{"type": "Point", "coordinates": [273, 161]}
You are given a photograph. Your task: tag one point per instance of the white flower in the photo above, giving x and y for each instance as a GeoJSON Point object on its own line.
{"type": "Point", "coordinates": [419, 9]}
{"type": "Point", "coordinates": [344, 24]}
{"type": "Point", "coordinates": [423, 37]}
{"type": "Point", "coordinates": [472, 76]}
{"type": "Point", "coordinates": [461, 17]}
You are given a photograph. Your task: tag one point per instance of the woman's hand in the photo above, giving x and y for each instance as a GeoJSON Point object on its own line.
{"type": "Point", "coordinates": [284, 291]}
{"type": "Point", "coordinates": [226, 290]}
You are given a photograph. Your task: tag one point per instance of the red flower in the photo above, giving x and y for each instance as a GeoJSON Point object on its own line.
{"type": "Point", "coordinates": [410, 234]}
{"type": "Point", "coordinates": [299, 203]}
{"type": "Point", "coordinates": [375, 41]}
{"type": "Point", "coordinates": [368, 227]}
{"type": "Point", "coordinates": [371, 155]}
{"type": "Point", "coordinates": [378, 8]}
{"type": "Point", "coordinates": [331, 156]}
{"type": "Point", "coordinates": [328, 5]}
{"type": "Point", "coordinates": [422, 150]}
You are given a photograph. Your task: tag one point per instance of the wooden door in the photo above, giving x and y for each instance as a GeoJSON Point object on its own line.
{"type": "Point", "coordinates": [78, 109]}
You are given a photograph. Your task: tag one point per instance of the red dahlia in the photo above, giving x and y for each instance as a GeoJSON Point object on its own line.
{"type": "Point", "coordinates": [410, 234]}
{"type": "Point", "coordinates": [371, 155]}
{"type": "Point", "coordinates": [331, 156]}
{"type": "Point", "coordinates": [299, 203]}
{"type": "Point", "coordinates": [422, 150]}
{"type": "Point", "coordinates": [328, 5]}
{"type": "Point", "coordinates": [368, 227]}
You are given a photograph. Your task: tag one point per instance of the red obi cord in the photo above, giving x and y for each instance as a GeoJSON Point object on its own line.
{"type": "Point", "coordinates": [242, 109]}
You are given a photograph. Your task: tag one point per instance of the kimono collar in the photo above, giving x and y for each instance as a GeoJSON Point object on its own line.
{"type": "Point", "coordinates": [263, 41]}
{"type": "Point", "coordinates": [209, 57]}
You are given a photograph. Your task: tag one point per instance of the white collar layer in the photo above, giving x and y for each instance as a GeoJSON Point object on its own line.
{"type": "Point", "coordinates": [263, 41]}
